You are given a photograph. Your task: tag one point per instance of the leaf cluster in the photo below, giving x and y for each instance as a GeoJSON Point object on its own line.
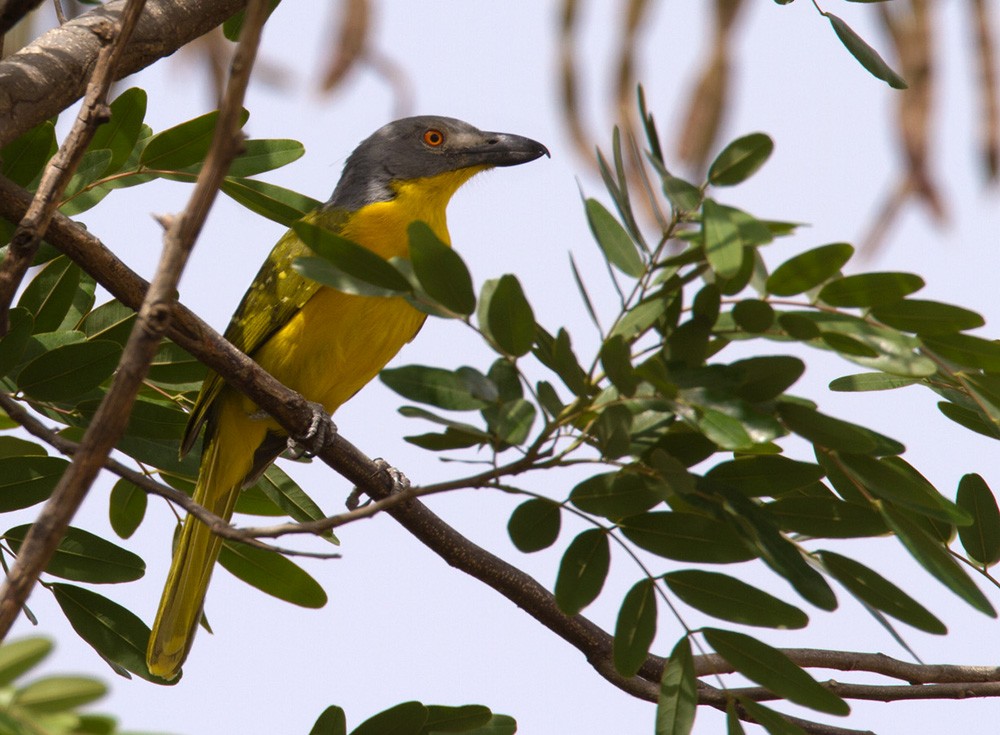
{"type": "Point", "coordinates": [689, 446]}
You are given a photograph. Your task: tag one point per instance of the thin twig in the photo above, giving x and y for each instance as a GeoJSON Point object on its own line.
{"type": "Point", "coordinates": [60, 168]}
{"type": "Point", "coordinates": [154, 318]}
{"type": "Point", "coordinates": [226, 530]}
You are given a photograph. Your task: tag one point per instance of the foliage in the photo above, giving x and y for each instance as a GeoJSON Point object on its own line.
{"type": "Point", "coordinates": [686, 446]}
{"type": "Point", "coordinates": [47, 705]}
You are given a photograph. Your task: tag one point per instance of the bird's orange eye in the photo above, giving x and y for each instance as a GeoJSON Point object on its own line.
{"type": "Point", "coordinates": [433, 138]}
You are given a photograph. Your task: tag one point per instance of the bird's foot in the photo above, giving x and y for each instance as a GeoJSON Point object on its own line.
{"type": "Point", "coordinates": [321, 431]}
{"type": "Point", "coordinates": [399, 481]}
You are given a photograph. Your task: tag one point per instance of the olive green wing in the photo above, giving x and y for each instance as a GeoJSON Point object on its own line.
{"type": "Point", "coordinates": [275, 295]}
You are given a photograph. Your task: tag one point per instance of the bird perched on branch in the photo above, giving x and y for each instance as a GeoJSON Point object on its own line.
{"type": "Point", "coordinates": [321, 342]}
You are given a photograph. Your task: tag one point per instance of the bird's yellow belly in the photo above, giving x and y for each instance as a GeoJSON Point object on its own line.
{"type": "Point", "coordinates": [336, 344]}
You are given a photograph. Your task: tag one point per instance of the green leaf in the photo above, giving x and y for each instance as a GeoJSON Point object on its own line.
{"type": "Point", "coordinates": [407, 718]}
{"type": "Point", "coordinates": [262, 155]}
{"type": "Point", "coordinates": [774, 722]}
{"type": "Point", "coordinates": [22, 655]}
{"type": "Point", "coordinates": [836, 434]}
{"type": "Point", "coordinates": [870, 382]}
{"type": "Point", "coordinates": [582, 572]}
{"type": "Point", "coordinates": [721, 235]}
{"type": "Point", "coordinates": [440, 270]}
{"type": "Point", "coordinates": [12, 446]}
{"type": "Point", "coordinates": [333, 721]}
{"type": "Point", "coordinates": [809, 269]}
{"type": "Point", "coordinates": [927, 317]}
{"type": "Point", "coordinates": [617, 494]}
{"type": "Point", "coordinates": [685, 537]}
{"type": "Point", "coordinates": [534, 524]}
{"type": "Point", "coordinates": [893, 480]}
{"type": "Point", "coordinates": [272, 573]}
{"type": "Point", "coordinates": [981, 539]}
{"type": "Point", "coordinates": [511, 422]}
{"type": "Point", "coordinates": [92, 167]}
{"type": "Point", "coordinates": [870, 289]}
{"type": "Point", "coordinates": [730, 599]}
{"type": "Point", "coordinates": [434, 386]}
{"type": "Point", "coordinates": [557, 354]}
{"type": "Point", "coordinates": [615, 242]}
{"type": "Point", "coordinates": [725, 430]}
{"type": "Point", "coordinates": [765, 474]}
{"type": "Point", "coordinates": [50, 294]}
{"type": "Point", "coordinates": [875, 590]}
{"type": "Point", "coordinates": [867, 56]}
{"type": "Point", "coordinates": [70, 371]}
{"type": "Point", "coordinates": [121, 132]}
{"type": "Point", "coordinates": [19, 328]}
{"type": "Point", "coordinates": [232, 28]}
{"type": "Point", "coordinates": [765, 378]}
{"type": "Point", "coordinates": [677, 704]}
{"type": "Point", "coordinates": [116, 633]}
{"type": "Point", "coordinates": [753, 315]}
{"type": "Point", "coordinates": [182, 145]}
{"type": "Point", "coordinates": [351, 258]}
{"type": "Point", "coordinates": [636, 628]}
{"type": "Point", "coordinates": [59, 693]}
{"type": "Point", "coordinates": [278, 204]}
{"type": "Point", "coordinates": [934, 557]}
{"type": "Point", "coordinates": [972, 420]}
{"type": "Point", "coordinates": [27, 480]}
{"type": "Point", "coordinates": [83, 557]}
{"type": "Point", "coordinates": [110, 321]}
{"type": "Point", "coordinates": [323, 271]}
{"type": "Point", "coordinates": [23, 159]}
{"type": "Point", "coordinates": [510, 320]}
{"type": "Point", "coordinates": [682, 195]}
{"type": "Point", "coordinates": [772, 669]}
{"type": "Point", "coordinates": [286, 494]}
{"type": "Point", "coordinates": [966, 349]}
{"type": "Point", "coordinates": [127, 508]}
{"type": "Point", "coordinates": [616, 358]}
{"type": "Point", "coordinates": [467, 718]}
{"type": "Point", "coordinates": [826, 517]}
{"type": "Point", "coordinates": [739, 160]}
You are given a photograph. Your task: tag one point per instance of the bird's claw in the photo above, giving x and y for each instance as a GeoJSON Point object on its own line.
{"type": "Point", "coordinates": [321, 430]}
{"type": "Point", "coordinates": [399, 481]}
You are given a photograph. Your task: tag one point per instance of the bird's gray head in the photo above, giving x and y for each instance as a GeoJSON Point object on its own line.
{"type": "Point", "coordinates": [421, 147]}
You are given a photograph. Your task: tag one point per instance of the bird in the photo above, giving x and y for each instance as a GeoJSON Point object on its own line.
{"type": "Point", "coordinates": [323, 343]}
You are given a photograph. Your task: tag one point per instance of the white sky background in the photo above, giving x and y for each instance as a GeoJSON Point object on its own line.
{"type": "Point", "coordinates": [402, 625]}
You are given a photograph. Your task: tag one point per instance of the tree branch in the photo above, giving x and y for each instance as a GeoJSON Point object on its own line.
{"type": "Point", "coordinates": [112, 415]}
{"type": "Point", "coordinates": [49, 74]}
{"type": "Point", "coordinates": [220, 527]}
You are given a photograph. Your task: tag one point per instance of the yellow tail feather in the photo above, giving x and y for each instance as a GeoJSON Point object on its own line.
{"type": "Point", "coordinates": [225, 463]}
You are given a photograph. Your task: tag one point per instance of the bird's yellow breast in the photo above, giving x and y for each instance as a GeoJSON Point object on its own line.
{"type": "Point", "coordinates": [338, 342]}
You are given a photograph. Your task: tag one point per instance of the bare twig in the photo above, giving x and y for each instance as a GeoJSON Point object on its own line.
{"type": "Point", "coordinates": [220, 527]}
{"type": "Point", "coordinates": [60, 13]}
{"type": "Point", "coordinates": [154, 317]}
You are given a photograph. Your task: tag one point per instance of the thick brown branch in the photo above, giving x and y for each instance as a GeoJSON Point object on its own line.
{"type": "Point", "coordinates": [49, 74]}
